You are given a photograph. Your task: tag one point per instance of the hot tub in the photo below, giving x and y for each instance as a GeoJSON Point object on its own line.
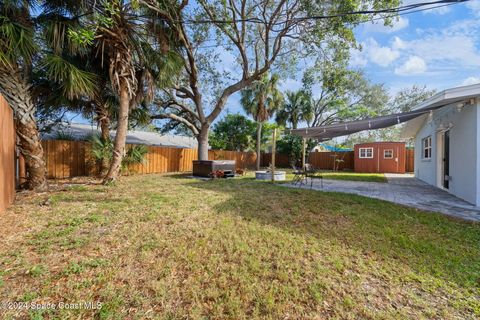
{"type": "Point", "coordinates": [267, 175]}
{"type": "Point", "coordinates": [202, 168]}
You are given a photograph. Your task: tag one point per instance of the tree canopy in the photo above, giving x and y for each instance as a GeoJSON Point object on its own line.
{"type": "Point", "coordinates": [234, 132]}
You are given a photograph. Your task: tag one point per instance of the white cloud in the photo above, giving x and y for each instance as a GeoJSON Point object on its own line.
{"type": "Point", "coordinates": [414, 65]}
{"type": "Point", "coordinates": [357, 58]}
{"type": "Point", "coordinates": [449, 49]}
{"type": "Point", "coordinates": [374, 53]}
{"type": "Point", "coordinates": [398, 44]}
{"type": "Point", "coordinates": [432, 9]}
{"type": "Point", "coordinates": [440, 10]}
{"type": "Point", "coordinates": [474, 6]}
{"type": "Point", "coordinates": [383, 56]}
{"type": "Point", "coordinates": [397, 25]}
{"type": "Point", "coordinates": [442, 49]}
{"type": "Point", "coordinates": [470, 80]}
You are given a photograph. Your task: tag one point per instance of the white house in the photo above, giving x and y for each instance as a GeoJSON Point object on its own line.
{"type": "Point", "coordinates": [447, 142]}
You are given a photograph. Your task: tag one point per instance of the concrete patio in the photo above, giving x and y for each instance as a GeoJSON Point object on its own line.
{"type": "Point", "coordinates": [403, 189]}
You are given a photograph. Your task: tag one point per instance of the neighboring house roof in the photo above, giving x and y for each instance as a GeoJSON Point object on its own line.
{"type": "Point", "coordinates": [80, 131]}
{"type": "Point", "coordinates": [444, 98]}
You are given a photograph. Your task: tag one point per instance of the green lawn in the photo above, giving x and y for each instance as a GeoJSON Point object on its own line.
{"type": "Point", "coordinates": [168, 247]}
{"type": "Point", "coordinates": [353, 176]}
{"type": "Point", "coordinates": [344, 175]}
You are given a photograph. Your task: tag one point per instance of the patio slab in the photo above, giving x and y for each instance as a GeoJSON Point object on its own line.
{"type": "Point", "coordinates": [403, 189]}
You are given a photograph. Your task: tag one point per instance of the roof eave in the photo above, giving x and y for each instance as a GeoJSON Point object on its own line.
{"type": "Point", "coordinates": [446, 96]}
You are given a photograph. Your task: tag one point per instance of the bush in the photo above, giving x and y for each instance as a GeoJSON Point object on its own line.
{"type": "Point", "coordinates": [292, 145]}
{"type": "Point", "coordinates": [102, 149]}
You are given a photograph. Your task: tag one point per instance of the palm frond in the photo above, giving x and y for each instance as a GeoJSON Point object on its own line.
{"type": "Point", "coordinates": [169, 68]}
{"type": "Point", "coordinates": [101, 149]}
{"type": "Point", "coordinates": [134, 155]}
{"type": "Point", "coordinates": [56, 33]}
{"type": "Point", "coordinates": [16, 41]}
{"type": "Point", "coordinates": [74, 81]}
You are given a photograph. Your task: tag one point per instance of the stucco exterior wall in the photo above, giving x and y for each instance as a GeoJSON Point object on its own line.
{"type": "Point", "coordinates": [425, 169]}
{"type": "Point", "coordinates": [464, 153]}
{"type": "Point", "coordinates": [477, 171]}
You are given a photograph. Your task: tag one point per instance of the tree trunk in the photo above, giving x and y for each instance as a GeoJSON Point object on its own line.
{"type": "Point", "coordinates": [104, 128]}
{"type": "Point", "coordinates": [104, 123]}
{"type": "Point", "coordinates": [202, 139]}
{"type": "Point", "coordinates": [259, 143]}
{"type": "Point", "coordinates": [17, 93]}
{"type": "Point", "coordinates": [32, 150]}
{"type": "Point", "coordinates": [120, 137]}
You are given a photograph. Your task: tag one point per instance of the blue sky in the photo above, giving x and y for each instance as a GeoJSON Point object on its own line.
{"type": "Point", "coordinates": [439, 48]}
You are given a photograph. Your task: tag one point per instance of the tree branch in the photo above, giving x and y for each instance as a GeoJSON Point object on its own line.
{"type": "Point", "coordinates": [177, 118]}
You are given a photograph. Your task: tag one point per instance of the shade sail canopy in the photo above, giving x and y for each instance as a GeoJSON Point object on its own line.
{"type": "Point", "coordinates": [324, 133]}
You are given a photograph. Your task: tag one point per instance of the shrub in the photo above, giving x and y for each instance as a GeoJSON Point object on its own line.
{"type": "Point", "coordinates": [102, 150]}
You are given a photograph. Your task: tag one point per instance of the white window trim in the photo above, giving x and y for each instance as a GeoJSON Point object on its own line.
{"type": "Point", "coordinates": [429, 148]}
{"type": "Point", "coordinates": [366, 153]}
{"type": "Point", "coordinates": [384, 157]}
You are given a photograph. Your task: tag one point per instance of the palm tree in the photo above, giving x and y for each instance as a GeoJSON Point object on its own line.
{"type": "Point", "coordinates": [17, 48]}
{"type": "Point", "coordinates": [20, 45]}
{"type": "Point", "coordinates": [261, 100]}
{"type": "Point", "coordinates": [99, 105]}
{"type": "Point", "coordinates": [133, 42]}
{"type": "Point", "coordinates": [297, 108]}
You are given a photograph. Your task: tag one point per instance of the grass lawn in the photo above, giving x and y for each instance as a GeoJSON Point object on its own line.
{"type": "Point", "coordinates": [343, 175]}
{"type": "Point", "coordinates": [167, 247]}
{"type": "Point", "coordinates": [354, 176]}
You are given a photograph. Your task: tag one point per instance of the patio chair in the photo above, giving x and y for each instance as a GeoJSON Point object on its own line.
{"type": "Point", "coordinates": [299, 175]}
{"type": "Point", "coordinates": [312, 173]}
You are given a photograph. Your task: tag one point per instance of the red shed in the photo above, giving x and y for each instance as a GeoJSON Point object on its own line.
{"type": "Point", "coordinates": [381, 157]}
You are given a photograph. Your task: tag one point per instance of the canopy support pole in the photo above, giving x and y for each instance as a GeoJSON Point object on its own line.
{"type": "Point", "coordinates": [304, 147]}
{"type": "Point", "coordinates": [274, 142]}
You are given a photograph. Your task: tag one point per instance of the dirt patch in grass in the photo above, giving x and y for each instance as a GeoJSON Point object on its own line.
{"type": "Point", "coordinates": [166, 247]}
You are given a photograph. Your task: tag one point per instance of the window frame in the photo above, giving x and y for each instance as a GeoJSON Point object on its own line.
{"type": "Point", "coordinates": [365, 156]}
{"type": "Point", "coordinates": [391, 151]}
{"type": "Point", "coordinates": [427, 148]}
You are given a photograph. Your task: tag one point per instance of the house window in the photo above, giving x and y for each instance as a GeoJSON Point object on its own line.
{"type": "Point", "coordinates": [388, 154]}
{"type": "Point", "coordinates": [366, 153]}
{"type": "Point", "coordinates": [427, 147]}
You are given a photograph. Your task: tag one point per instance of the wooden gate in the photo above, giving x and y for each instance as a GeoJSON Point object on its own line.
{"type": "Point", "coordinates": [409, 160]}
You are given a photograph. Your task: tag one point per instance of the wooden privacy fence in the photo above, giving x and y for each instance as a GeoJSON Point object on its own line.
{"type": "Point", "coordinates": [67, 159]}
{"type": "Point", "coordinates": [320, 160]}
{"type": "Point", "coordinates": [7, 155]}
{"type": "Point", "coordinates": [327, 160]}
{"type": "Point", "coordinates": [281, 160]}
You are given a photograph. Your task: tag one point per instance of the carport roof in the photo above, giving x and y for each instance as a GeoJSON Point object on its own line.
{"type": "Point", "coordinates": [441, 99]}
{"type": "Point", "coordinates": [324, 133]}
